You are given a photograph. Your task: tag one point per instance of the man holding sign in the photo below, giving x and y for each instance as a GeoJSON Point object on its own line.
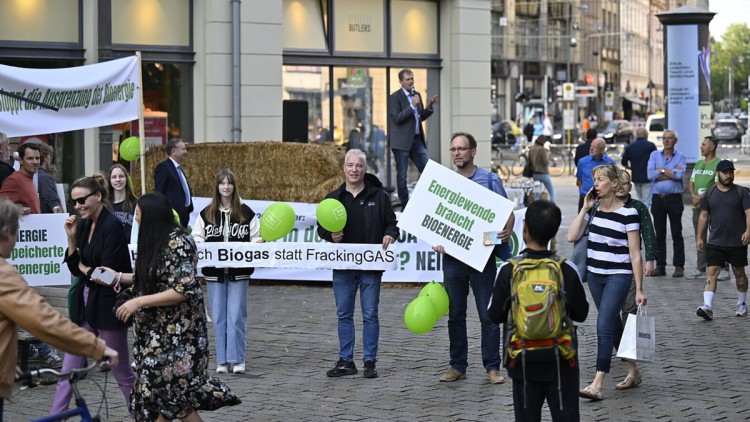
{"type": "Point", "coordinates": [370, 219]}
{"type": "Point", "coordinates": [458, 276]}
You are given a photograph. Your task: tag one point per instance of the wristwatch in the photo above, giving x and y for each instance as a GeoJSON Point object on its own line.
{"type": "Point", "coordinates": [662, 171]}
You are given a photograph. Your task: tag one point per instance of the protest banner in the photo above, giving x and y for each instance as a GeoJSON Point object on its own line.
{"type": "Point", "coordinates": [40, 250]}
{"type": "Point", "coordinates": [454, 211]}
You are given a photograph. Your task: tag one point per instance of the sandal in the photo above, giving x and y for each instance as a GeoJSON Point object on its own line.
{"type": "Point", "coordinates": [631, 381]}
{"type": "Point", "coordinates": [592, 393]}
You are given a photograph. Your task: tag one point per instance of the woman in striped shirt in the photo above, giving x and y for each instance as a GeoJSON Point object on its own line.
{"type": "Point", "coordinates": [614, 257]}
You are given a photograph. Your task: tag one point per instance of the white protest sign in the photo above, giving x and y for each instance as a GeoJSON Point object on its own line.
{"type": "Point", "coordinates": [95, 95]}
{"type": "Point", "coordinates": [455, 212]}
{"type": "Point", "coordinates": [40, 250]}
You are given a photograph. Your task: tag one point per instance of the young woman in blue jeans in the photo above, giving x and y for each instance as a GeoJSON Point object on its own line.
{"type": "Point", "coordinates": [613, 257]}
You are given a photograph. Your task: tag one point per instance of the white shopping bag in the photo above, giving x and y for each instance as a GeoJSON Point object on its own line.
{"type": "Point", "coordinates": [638, 341]}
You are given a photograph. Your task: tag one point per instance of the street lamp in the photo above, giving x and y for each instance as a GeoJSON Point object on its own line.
{"type": "Point", "coordinates": [730, 81]}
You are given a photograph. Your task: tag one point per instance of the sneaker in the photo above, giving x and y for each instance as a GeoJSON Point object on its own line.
{"type": "Point", "coordinates": [343, 367]}
{"type": "Point", "coordinates": [452, 375]}
{"type": "Point", "coordinates": [51, 359]}
{"type": "Point", "coordinates": [239, 368]}
{"type": "Point", "coordinates": [705, 312]}
{"type": "Point", "coordinates": [697, 274]}
{"type": "Point", "coordinates": [659, 272]}
{"type": "Point", "coordinates": [370, 371]}
{"type": "Point", "coordinates": [723, 275]}
{"type": "Point", "coordinates": [494, 377]}
{"type": "Point", "coordinates": [222, 369]}
{"type": "Point", "coordinates": [741, 309]}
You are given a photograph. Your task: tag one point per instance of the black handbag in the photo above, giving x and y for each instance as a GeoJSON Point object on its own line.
{"type": "Point", "coordinates": [528, 170]}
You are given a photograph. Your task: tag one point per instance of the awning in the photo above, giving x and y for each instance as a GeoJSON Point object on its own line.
{"type": "Point", "coordinates": [635, 100]}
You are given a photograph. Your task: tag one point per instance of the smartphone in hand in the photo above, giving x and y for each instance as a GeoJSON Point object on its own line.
{"type": "Point", "coordinates": [106, 277]}
{"type": "Point", "coordinates": [491, 238]}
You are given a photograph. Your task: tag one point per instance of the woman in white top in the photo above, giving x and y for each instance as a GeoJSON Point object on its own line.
{"type": "Point", "coordinates": [613, 257]}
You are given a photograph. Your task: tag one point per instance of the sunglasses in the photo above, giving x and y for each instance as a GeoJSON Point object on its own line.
{"type": "Point", "coordinates": [82, 200]}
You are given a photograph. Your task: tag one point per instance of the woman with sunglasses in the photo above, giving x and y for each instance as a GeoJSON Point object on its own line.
{"type": "Point", "coordinates": [96, 239]}
{"type": "Point", "coordinates": [613, 257]}
{"type": "Point", "coordinates": [226, 219]}
{"type": "Point", "coordinates": [123, 197]}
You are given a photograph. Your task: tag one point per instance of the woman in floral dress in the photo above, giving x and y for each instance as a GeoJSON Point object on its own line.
{"type": "Point", "coordinates": [171, 340]}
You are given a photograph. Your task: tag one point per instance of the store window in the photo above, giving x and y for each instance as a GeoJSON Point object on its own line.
{"type": "Point", "coordinates": [413, 28]}
{"type": "Point", "coordinates": [151, 22]}
{"type": "Point", "coordinates": [40, 21]}
{"type": "Point", "coordinates": [359, 26]}
{"type": "Point", "coordinates": [305, 25]}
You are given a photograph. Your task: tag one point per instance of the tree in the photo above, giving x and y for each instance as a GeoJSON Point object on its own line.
{"type": "Point", "coordinates": [732, 52]}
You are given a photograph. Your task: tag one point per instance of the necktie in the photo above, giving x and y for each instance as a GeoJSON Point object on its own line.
{"type": "Point", "coordinates": [184, 186]}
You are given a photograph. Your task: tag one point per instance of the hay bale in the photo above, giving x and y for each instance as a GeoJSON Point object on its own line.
{"type": "Point", "coordinates": [272, 171]}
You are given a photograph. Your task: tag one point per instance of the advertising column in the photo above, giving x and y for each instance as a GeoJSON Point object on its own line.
{"type": "Point", "coordinates": [687, 54]}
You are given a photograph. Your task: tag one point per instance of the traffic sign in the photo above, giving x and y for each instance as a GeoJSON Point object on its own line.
{"type": "Point", "coordinates": [569, 91]}
{"type": "Point", "coordinates": [586, 91]}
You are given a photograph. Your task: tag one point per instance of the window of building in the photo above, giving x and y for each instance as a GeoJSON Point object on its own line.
{"type": "Point", "coordinates": [359, 26]}
{"type": "Point", "coordinates": [413, 29]}
{"type": "Point", "coordinates": [305, 25]}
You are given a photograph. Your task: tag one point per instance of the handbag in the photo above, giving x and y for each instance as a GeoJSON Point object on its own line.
{"type": "Point", "coordinates": [638, 341]}
{"type": "Point", "coordinates": [75, 307]}
{"type": "Point", "coordinates": [528, 170]}
{"type": "Point", "coordinates": [580, 247]}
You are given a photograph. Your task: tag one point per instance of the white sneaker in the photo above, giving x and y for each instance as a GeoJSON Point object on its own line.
{"type": "Point", "coordinates": [239, 368]}
{"type": "Point", "coordinates": [741, 309]}
{"type": "Point", "coordinates": [696, 275]}
{"type": "Point", "coordinates": [222, 369]}
{"type": "Point", "coordinates": [723, 275]}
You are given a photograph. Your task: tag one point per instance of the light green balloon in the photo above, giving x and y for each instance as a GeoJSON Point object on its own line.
{"type": "Point", "coordinates": [331, 215]}
{"type": "Point", "coordinates": [420, 315]}
{"type": "Point", "coordinates": [130, 148]}
{"type": "Point", "coordinates": [277, 221]}
{"type": "Point", "coordinates": [439, 297]}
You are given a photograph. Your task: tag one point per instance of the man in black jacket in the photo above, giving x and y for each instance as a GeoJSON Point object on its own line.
{"type": "Point", "coordinates": [540, 224]}
{"type": "Point", "coordinates": [370, 219]}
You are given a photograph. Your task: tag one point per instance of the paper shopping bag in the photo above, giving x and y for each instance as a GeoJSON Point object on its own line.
{"type": "Point", "coordinates": [638, 341]}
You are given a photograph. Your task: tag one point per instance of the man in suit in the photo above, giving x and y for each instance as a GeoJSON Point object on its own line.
{"type": "Point", "coordinates": [405, 115]}
{"type": "Point", "coordinates": [172, 182]}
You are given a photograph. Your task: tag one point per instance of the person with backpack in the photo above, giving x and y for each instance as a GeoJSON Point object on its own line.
{"type": "Point", "coordinates": [543, 371]}
{"type": "Point", "coordinates": [613, 259]}
{"type": "Point", "coordinates": [726, 207]}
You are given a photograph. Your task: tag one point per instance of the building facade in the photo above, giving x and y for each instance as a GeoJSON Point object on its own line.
{"type": "Point", "coordinates": [222, 70]}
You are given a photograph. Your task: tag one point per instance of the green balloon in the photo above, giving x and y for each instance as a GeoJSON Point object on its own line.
{"type": "Point", "coordinates": [439, 297]}
{"type": "Point", "coordinates": [277, 221]}
{"type": "Point", "coordinates": [420, 316]}
{"type": "Point", "coordinates": [130, 148]}
{"type": "Point", "coordinates": [331, 215]}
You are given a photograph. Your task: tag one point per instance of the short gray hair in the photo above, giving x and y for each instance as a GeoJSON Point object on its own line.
{"type": "Point", "coordinates": [3, 138]}
{"type": "Point", "coordinates": [674, 132]}
{"type": "Point", "coordinates": [358, 152]}
{"type": "Point", "coordinates": [9, 215]}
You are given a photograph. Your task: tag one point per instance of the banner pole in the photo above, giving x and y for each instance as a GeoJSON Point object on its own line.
{"type": "Point", "coordinates": [141, 125]}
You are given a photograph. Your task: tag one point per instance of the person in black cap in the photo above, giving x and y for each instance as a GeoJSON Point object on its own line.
{"type": "Point", "coordinates": [728, 206]}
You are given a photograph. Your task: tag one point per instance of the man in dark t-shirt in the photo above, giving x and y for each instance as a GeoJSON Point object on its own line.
{"type": "Point", "coordinates": [728, 206]}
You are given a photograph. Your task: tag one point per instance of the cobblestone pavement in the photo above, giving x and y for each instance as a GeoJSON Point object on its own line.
{"type": "Point", "coordinates": [700, 373]}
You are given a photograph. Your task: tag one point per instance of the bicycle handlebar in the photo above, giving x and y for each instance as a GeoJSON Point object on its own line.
{"type": "Point", "coordinates": [27, 378]}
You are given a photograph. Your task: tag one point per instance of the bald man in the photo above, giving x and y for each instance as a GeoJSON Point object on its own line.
{"type": "Point", "coordinates": [596, 157]}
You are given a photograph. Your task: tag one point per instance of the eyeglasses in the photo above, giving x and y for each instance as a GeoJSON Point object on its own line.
{"type": "Point", "coordinates": [82, 200]}
{"type": "Point", "coordinates": [459, 149]}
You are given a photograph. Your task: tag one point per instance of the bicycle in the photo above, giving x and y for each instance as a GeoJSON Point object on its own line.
{"type": "Point", "coordinates": [47, 376]}
{"type": "Point", "coordinates": [498, 163]}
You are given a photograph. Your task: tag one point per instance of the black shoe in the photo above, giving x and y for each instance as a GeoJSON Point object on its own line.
{"type": "Point", "coordinates": [370, 371]}
{"type": "Point", "coordinates": [659, 272]}
{"type": "Point", "coordinates": [343, 367]}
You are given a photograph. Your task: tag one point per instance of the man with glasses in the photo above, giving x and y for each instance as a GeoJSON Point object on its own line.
{"type": "Point", "coordinates": [584, 178]}
{"type": "Point", "coordinates": [406, 112]}
{"type": "Point", "coordinates": [458, 277]}
{"type": "Point", "coordinates": [369, 219]}
{"type": "Point", "coordinates": [665, 170]}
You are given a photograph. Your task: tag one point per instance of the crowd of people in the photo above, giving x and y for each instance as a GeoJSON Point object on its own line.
{"type": "Point", "coordinates": [162, 301]}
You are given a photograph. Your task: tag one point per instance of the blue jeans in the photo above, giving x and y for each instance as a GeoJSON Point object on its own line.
{"type": "Point", "coordinates": [546, 180]}
{"type": "Point", "coordinates": [345, 285]}
{"type": "Point", "coordinates": [643, 191]}
{"type": "Point", "coordinates": [609, 293]}
{"type": "Point", "coordinates": [457, 278]}
{"type": "Point", "coordinates": [228, 301]}
{"type": "Point", "coordinates": [418, 155]}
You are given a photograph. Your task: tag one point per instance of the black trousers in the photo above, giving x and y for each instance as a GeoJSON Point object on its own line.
{"type": "Point", "coordinates": [663, 207]}
{"type": "Point", "coordinates": [537, 392]}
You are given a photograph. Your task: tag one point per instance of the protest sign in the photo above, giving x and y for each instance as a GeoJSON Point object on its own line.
{"type": "Point", "coordinates": [40, 250]}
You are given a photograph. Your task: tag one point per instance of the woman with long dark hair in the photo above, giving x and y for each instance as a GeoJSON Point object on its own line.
{"type": "Point", "coordinates": [226, 219]}
{"type": "Point", "coordinates": [96, 239]}
{"type": "Point", "coordinates": [122, 196]}
{"type": "Point", "coordinates": [171, 337]}
{"type": "Point", "coordinates": [613, 260]}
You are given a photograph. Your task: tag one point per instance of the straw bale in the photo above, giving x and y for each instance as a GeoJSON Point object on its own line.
{"type": "Point", "coordinates": [272, 171]}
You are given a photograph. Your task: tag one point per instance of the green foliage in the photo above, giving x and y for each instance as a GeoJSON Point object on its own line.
{"type": "Point", "coordinates": [732, 52]}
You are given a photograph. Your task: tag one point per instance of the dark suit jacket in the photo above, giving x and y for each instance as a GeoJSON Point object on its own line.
{"type": "Point", "coordinates": [401, 120]}
{"type": "Point", "coordinates": [168, 182]}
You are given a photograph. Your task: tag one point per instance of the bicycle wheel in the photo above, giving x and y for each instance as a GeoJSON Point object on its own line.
{"type": "Point", "coordinates": [518, 164]}
{"type": "Point", "coordinates": [556, 165]}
